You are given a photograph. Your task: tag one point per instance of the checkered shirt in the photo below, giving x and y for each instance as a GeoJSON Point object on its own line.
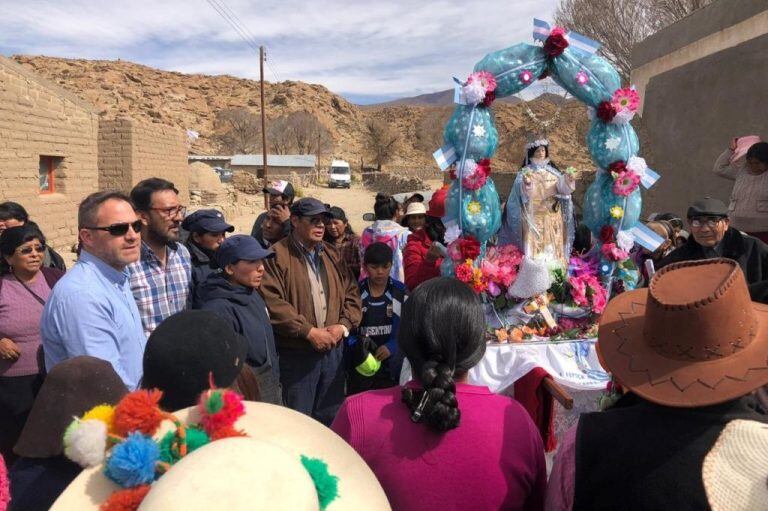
{"type": "Point", "coordinates": [161, 292]}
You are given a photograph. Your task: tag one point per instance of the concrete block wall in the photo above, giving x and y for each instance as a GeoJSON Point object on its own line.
{"type": "Point", "coordinates": [39, 118]}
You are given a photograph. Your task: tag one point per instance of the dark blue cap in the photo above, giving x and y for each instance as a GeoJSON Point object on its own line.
{"type": "Point", "coordinates": [206, 220]}
{"type": "Point", "coordinates": [309, 206]}
{"type": "Point", "coordinates": [240, 247]}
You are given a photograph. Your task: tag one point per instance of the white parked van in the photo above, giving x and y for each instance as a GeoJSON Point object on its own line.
{"type": "Point", "coordinates": [340, 175]}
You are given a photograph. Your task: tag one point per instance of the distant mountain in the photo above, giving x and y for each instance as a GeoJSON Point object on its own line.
{"type": "Point", "coordinates": [441, 98]}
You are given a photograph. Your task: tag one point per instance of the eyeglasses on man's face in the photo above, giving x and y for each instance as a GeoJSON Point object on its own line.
{"type": "Point", "coordinates": [711, 222]}
{"type": "Point", "coordinates": [171, 212]}
{"type": "Point", "coordinates": [120, 229]}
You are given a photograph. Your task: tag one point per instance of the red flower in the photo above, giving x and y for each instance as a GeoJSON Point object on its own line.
{"type": "Point", "coordinates": [490, 97]}
{"type": "Point", "coordinates": [618, 167]}
{"type": "Point", "coordinates": [606, 111]}
{"type": "Point", "coordinates": [469, 248]}
{"type": "Point", "coordinates": [555, 44]}
{"type": "Point", "coordinates": [464, 273]}
{"type": "Point", "coordinates": [606, 234]}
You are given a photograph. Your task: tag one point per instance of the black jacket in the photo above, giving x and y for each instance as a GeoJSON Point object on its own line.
{"type": "Point", "coordinates": [202, 264]}
{"type": "Point", "coordinates": [247, 312]}
{"type": "Point", "coordinates": [749, 252]}
{"type": "Point", "coordinates": [641, 456]}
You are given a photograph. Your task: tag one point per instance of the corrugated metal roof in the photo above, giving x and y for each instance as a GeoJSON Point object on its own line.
{"type": "Point", "coordinates": [203, 157]}
{"type": "Point", "coordinates": [276, 160]}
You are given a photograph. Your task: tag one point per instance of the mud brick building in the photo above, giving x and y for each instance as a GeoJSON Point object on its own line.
{"type": "Point", "coordinates": [48, 150]}
{"type": "Point", "coordinates": [54, 151]}
{"type": "Point", "coordinates": [130, 151]}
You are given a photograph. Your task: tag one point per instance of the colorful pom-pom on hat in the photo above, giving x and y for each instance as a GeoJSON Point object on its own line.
{"type": "Point", "coordinates": [139, 411]}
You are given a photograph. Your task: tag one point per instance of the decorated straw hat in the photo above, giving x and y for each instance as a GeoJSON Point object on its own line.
{"type": "Point", "coordinates": [693, 338]}
{"type": "Point", "coordinates": [735, 471]}
{"type": "Point", "coordinates": [209, 465]}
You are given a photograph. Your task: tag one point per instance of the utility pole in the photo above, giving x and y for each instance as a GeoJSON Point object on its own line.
{"type": "Point", "coordinates": [263, 126]}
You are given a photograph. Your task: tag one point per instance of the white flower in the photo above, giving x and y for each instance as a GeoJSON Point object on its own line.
{"type": "Point", "coordinates": [625, 240]}
{"type": "Point", "coordinates": [452, 233]}
{"type": "Point", "coordinates": [591, 113]}
{"type": "Point", "coordinates": [637, 165]}
{"type": "Point", "coordinates": [474, 92]}
{"type": "Point", "coordinates": [469, 168]}
{"type": "Point", "coordinates": [478, 130]}
{"type": "Point", "coordinates": [85, 442]}
{"type": "Point", "coordinates": [612, 143]}
{"type": "Point", "coordinates": [623, 117]}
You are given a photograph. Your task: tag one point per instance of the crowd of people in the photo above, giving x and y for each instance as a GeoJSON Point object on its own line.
{"type": "Point", "coordinates": [306, 314]}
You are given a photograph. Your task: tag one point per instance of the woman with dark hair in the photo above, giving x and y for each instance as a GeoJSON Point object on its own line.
{"type": "Point", "coordinates": [745, 162]}
{"type": "Point", "coordinates": [340, 235]}
{"type": "Point", "coordinates": [13, 214]}
{"type": "Point", "coordinates": [24, 288]}
{"type": "Point", "coordinates": [440, 443]}
{"type": "Point", "coordinates": [386, 230]}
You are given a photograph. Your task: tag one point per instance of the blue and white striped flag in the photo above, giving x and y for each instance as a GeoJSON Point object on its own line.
{"type": "Point", "coordinates": [645, 237]}
{"type": "Point", "coordinates": [445, 156]}
{"type": "Point", "coordinates": [649, 178]}
{"type": "Point", "coordinates": [576, 41]}
{"type": "Point", "coordinates": [541, 30]}
{"type": "Point", "coordinates": [582, 44]}
{"type": "Point", "coordinates": [458, 95]}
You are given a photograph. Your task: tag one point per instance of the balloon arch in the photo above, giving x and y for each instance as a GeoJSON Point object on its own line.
{"type": "Point", "coordinates": [612, 204]}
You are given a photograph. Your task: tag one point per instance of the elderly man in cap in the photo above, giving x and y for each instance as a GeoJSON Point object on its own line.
{"type": "Point", "coordinates": [207, 229]}
{"type": "Point", "coordinates": [281, 195]}
{"type": "Point", "coordinates": [313, 305]}
{"type": "Point", "coordinates": [682, 386]}
{"type": "Point", "coordinates": [712, 236]}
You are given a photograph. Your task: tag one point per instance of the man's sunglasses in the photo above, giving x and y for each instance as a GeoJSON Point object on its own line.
{"type": "Point", "coordinates": [119, 229]}
{"type": "Point", "coordinates": [28, 250]}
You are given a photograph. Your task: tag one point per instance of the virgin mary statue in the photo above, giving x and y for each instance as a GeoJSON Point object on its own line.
{"type": "Point", "coordinates": [539, 212]}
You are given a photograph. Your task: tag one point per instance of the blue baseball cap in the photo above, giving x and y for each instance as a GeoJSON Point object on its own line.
{"type": "Point", "coordinates": [206, 220]}
{"type": "Point", "coordinates": [309, 206]}
{"type": "Point", "coordinates": [240, 247]}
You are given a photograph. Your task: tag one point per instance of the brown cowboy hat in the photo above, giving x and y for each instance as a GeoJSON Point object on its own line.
{"type": "Point", "coordinates": [693, 338]}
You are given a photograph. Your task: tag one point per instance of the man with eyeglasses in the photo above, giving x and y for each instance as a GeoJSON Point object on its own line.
{"type": "Point", "coordinates": [161, 280]}
{"type": "Point", "coordinates": [712, 237]}
{"type": "Point", "coordinates": [313, 304]}
{"type": "Point", "coordinates": [91, 310]}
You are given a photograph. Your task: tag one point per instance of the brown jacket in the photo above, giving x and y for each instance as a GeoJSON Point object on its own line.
{"type": "Point", "coordinates": [286, 290]}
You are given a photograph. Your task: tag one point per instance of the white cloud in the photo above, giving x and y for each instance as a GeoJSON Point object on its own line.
{"type": "Point", "coordinates": [391, 48]}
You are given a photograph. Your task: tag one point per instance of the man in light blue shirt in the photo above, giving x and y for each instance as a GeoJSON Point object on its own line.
{"type": "Point", "coordinates": [91, 310]}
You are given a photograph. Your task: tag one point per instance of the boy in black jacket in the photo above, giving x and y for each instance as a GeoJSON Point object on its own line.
{"type": "Point", "coordinates": [232, 294]}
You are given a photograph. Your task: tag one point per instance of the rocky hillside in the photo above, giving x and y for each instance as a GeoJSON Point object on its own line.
{"type": "Point", "coordinates": [120, 88]}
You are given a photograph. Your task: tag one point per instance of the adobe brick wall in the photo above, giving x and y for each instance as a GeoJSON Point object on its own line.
{"type": "Point", "coordinates": [130, 151]}
{"type": "Point", "coordinates": [39, 118]}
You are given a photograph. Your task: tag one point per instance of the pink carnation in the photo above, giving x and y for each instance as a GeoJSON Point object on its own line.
{"type": "Point", "coordinates": [464, 273]}
{"type": "Point", "coordinates": [626, 182]}
{"type": "Point", "coordinates": [612, 252]}
{"type": "Point", "coordinates": [587, 291]}
{"type": "Point", "coordinates": [486, 79]}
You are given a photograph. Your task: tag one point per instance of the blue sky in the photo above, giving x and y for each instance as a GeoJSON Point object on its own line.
{"type": "Point", "coordinates": [366, 51]}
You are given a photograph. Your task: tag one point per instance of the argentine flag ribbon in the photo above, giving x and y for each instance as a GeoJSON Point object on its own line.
{"type": "Point", "coordinates": [646, 237]}
{"type": "Point", "coordinates": [649, 178]}
{"type": "Point", "coordinates": [576, 41]}
{"type": "Point", "coordinates": [445, 156]}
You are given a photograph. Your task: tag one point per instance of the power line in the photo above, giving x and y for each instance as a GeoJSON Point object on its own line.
{"type": "Point", "coordinates": [236, 23]}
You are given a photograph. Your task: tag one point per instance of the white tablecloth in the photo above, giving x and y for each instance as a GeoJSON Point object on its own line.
{"type": "Point", "coordinates": [572, 364]}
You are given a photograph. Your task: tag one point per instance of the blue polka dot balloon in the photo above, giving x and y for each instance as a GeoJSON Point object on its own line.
{"type": "Point", "coordinates": [591, 79]}
{"type": "Point", "coordinates": [609, 142]}
{"type": "Point", "coordinates": [472, 128]}
{"type": "Point", "coordinates": [514, 68]}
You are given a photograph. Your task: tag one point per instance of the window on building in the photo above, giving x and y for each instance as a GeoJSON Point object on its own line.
{"type": "Point", "coordinates": [47, 173]}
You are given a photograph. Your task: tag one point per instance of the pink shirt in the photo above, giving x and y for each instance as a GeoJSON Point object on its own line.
{"type": "Point", "coordinates": [20, 321]}
{"type": "Point", "coordinates": [493, 460]}
{"type": "Point", "coordinates": [562, 480]}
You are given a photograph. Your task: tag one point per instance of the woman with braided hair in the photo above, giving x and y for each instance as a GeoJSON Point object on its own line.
{"type": "Point", "coordinates": [439, 442]}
